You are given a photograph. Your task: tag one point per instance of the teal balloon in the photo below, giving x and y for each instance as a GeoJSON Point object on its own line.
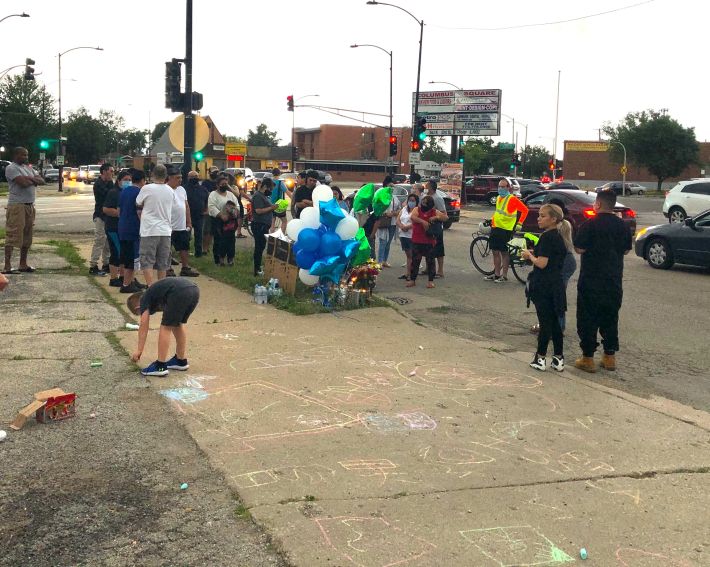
{"type": "Point", "coordinates": [330, 243]}
{"type": "Point", "coordinates": [363, 198]}
{"type": "Point", "coordinates": [381, 200]}
{"type": "Point", "coordinates": [335, 275]}
{"type": "Point", "coordinates": [349, 248]}
{"type": "Point", "coordinates": [309, 239]}
{"type": "Point", "coordinates": [325, 266]}
{"type": "Point", "coordinates": [331, 213]}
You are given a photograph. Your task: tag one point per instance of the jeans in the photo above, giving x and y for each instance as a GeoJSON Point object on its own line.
{"type": "Point", "coordinates": [420, 251]}
{"type": "Point", "coordinates": [197, 229]}
{"type": "Point", "coordinates": [383, 252]}
{"type": "Point", "coordinates": [100, 250]}
{"type": "Point", "coordinates": [549, 326]}
{"type": "Point", "coordinates": [598, 312]}
{"type": "Point", "coordinates": [114, 245]}
{"type": "Point", "coordinates": [259, 230]}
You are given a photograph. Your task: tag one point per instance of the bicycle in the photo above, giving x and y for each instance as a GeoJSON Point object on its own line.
{"type": "Point", "coordinates": [482, 255]}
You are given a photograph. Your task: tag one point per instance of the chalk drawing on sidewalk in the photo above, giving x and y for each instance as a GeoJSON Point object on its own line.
{"type": "Point", "coordinates": [617, 487]}
{"type": "Point", "coordinates": [456, 460]}
{"type": "Point", "coordinates": [371, 389]}
{"type": "Point", "coordinates": [451, 376]}
{"type": "Point", "coordinates": [372, 541]}
{"type": "Point", "coordinates": [382, 468]}
{"type": "Point", "coordinates": [308, 474]}
{"type": "Point", "coordinates": [402, 422]}
{"type": "Point", "coordinates": [185, 395]}
{"type": "Point", "coordinates": [630, 557]}
{"type": "Point", "coordinates": [259, 411]}
{"type": "Point", "coordinates": [260, 333]}
{"type": "Point", "coordinates": [516, 546]}
{"type": "Point", "coordinates": [571, 429]}
{"type": "Point", "coordinates": [292, 359]}
{"type": "Point", "coordinates": [226, 336]}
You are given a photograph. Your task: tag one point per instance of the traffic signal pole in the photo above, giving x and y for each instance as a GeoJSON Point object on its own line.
{"type": "Point", "coordinates": [419, 72]}
{"type": "Point", "coordinates": [189, 131]}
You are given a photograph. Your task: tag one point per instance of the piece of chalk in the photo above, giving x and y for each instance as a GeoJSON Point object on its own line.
{"type": "Point", "coordinates": [96, 364]}
{"type": "Point", "coordinates": [183, 486]}
{"type": "Point", "coordinates": [413, 373]}
{"type": "Point", "coordinates": [583, 553]}
{"type": "Point", "coordinates": [421, 347]}
{"type": "Point", "coordinates": [132, 326]}
{"type": "Point", "coordinates": [3, 435]}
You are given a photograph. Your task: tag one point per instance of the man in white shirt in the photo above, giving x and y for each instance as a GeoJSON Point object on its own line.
{"type": "Point", "coordinates": [181, 224]}
{"type": "Point", "coordinates": [155, 203]}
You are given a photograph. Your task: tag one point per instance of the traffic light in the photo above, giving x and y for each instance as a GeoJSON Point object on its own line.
{"type": "Point", "coordinates": [296, 153]}
{"type": "Point", "coordinates": [289, 103]}
{"type": "Point", "coordinates": [198, 156]}
{"type": "Point", "coordinates": [415, 145]}
{"type": "Point", "coordinates": [462, 146]}
{"type": "Point", "coordinates": [393, 145]}
{"type": "Point", "coordinates": [420, 132]}
{"type": "Point", "coordinates": [44, 144]}
{"type": "Point", "coordinates": [29, 70]}
{"type": "Point", "coordinates": [513, 161]}
{"type": "Point", "coordinates": [197, 100]}
{"type": "Point", "coordinates": [551, 165]}
{"type": "Point", "coordinates": [173, 97]}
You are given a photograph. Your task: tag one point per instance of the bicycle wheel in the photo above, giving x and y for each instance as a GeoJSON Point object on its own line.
{"type": "Point", "coordinates": [521, 268]}
{"type": "Point", "coordinates": [482, 255]}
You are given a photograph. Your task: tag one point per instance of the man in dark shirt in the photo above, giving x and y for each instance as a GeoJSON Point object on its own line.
{"type": "Point", "coordinates": [100, 250]}
{"type": "Point", "coordinates": [303, 197]}
{"type": "Point", "coordinates": [197, 200]}
{"type": "Point", "coordinates": [177, 299]}
{"type": "Point", "coordinates": [262, 215]}
{"type": "Point", "coordinates": [603, 241]}
{"type": "Point", "coordinates": [209, 185]}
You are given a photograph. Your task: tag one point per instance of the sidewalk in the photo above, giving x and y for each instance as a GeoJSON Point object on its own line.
{"type": "Point", "coordinates": [102, 488]}
{"type": "Point", "coordinates": [366, 439]}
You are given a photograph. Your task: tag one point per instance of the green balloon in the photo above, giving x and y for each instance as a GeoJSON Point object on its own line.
{"type": "Point", "coordinates": [281, 205]}
{"type": "Point", "coordinates": [363, 251]}
{"type": "Point", "coordinates": [363, 198]}
{"type": "Point", "coordinates": [381, 200]}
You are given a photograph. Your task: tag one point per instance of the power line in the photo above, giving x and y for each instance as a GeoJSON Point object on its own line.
{"type": "Point", "coordinates": [540, 24]}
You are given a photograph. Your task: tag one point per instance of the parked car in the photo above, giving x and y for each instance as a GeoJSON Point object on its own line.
{"type": "Point", "coordinates": [485, 187]}
{"type": "Point", "coordinates": [72, 173]}
{"type": "Point", "coordinates": [578, 207]}
{"type": "Point", "coordinates": [244, 177]}
{"type": "Point", "coordinates": [51, 175]}
{"type": "Point", "coordinates": [259, 176]}
{"type": "Point", "coordinates": [687, 199]}
{"type": "Point", "coordinates": [290, 179]}
{"type": "Point", "coordinates": [83, 174]}
{"type": "Point", "coordinates": [400, 177]}
{"type": "Point", "coordinates": [3, 164]}
{"type": "Point", "coordinates": [529, 186]}
{"type": "Point", "coordinates": [562, 185]}
{"type": "Point", "coordinates": [682, 243]}
{"type": "Point", "coordinates": [92, 173]}
{"type": "Point", "coordinates": [629, 188]}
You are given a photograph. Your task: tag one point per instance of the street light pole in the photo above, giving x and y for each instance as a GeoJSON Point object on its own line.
{"type": "Point", "coordinates": [23, 15]}
{"type": "Point", "coordinates": [389, 159]}
{"type": "Point", "coordinates": [60, 143]}
{"type": "Point", "coordinates": [293, 130]}
{"type": "Point", "coordinates": [419, 62]}
{"type": "Point", "coordinates": [557, 117]}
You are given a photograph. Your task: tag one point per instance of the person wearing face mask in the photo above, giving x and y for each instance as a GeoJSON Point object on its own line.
{"type": "Point", "coordinates": [510, 215]}
{"type": "Point", "coordinates": [303, 196]}
{"type": "Point", "coordinates": [262, 216]}
{"type": "Point", "coordinates": [129, 230]}
{"type": "Point", "coordinates": [422, 243]}
{"type": "Point", "coordinates": [197, 200]}
{"type": "Point", "coordinates": [224, 224]}
{"type": "Point", "coordinates": [209, 185]}
{"type": "Point", "coordinates": [111, 213]}
{"type": "Point", "coordinates": [404, 227]}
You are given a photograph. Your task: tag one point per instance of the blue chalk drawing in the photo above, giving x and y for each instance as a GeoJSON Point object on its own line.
{"type": "Point", "coordinates": [185, 395]}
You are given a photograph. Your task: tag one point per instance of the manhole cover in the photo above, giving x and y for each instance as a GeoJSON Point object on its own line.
{"type": "Point", "coordinates": [400, 300]}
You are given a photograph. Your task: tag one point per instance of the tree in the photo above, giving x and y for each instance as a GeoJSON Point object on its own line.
{"type": "Point", "coordinates": [235, 139]}
{"type": "Point", "coordinates": [537, 159]}
{"type": "Point", "coordinates": [28, 113]}
{"type": "Point", "coordinates": [263, 137]}
{"type": "Point", "coordinates": [86, 138]}
{"type": "Point", "coordinates": [655, 141]}
{"type": "Point", "coordinates": [434, 152]}
{"type": "Point", "coordinates": [158, 131]}
{"type": "Point", "coordinates": [476, 153]}
{"type": "Point", "coordinates": [132, 141]}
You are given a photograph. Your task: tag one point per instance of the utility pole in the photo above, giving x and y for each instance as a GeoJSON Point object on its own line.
{"type": "Point", "coordinates": [557, 118]}
{"type": "Point", "coordinates": [189, 131]}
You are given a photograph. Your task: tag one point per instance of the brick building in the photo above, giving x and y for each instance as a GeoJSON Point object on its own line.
{"type": "Point", "coordinates": [589, 163]}
{"type": "Point", "coordinates": [351, 153]}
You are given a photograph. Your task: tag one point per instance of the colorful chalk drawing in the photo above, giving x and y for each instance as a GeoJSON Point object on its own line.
{"type": "Point", "coordinates": [516, 546]}
{"type": "Point", "coordinates": [308, 474]}
{"type": "Point", "coordinates": [448, 376]}
{"type": "Point", "coordinates": [305, 357]}
{"type": "Point", "coordinates": [454, 460]}
{"type": "Point", "coordinates": [620, 487]}
{"type": "Point", "coordinates": [185, 395]}
{"type": "Point", "coordinates": [402, 422]}
{"type": "Point", "coordinates": [372, 389]}
{"type": "Point", "coordinates": [226, 336]}
{"type": "Point", "coordinates": [372, 542]}
{"type": "Point", "coordinates": [630, 557]}
{"type": "Point", "coordinates": [375, 468]}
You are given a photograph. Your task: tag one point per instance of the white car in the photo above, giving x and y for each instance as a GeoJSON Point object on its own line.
{"type": "Point", "coordinates": [687, 199]}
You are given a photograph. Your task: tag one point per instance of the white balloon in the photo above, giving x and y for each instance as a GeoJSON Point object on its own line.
{"type": "Point", "coordinates": [347, 228]}
{"type": "Point", "coordinates": [322, 193]}
{"type": "Point", "coordinates": [310, 217]}
{"type": "Point", "coordinates": [294, 228]}
{"type": "Point", "coordinates": [307, 278]}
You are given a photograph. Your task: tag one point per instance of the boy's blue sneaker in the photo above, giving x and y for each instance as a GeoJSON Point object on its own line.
{"type": "Point", "coordinates": [176, 363]}
{"type": "Point", "coordinates": [156, 369]}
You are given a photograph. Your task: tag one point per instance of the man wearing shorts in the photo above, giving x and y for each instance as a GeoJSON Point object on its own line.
{"type": "Point", "coordinates": [20, 216]}
{"type": "Point", "coordinates": [129, 231]}
{"type": "Point", "coordinates": [510, 215]}
{"type": "Point", "coordinates": [155, 203]}
{"type": "Point", "coordinates": [181, 223]}
{"type": "Point", "coordinates": [177, 299]}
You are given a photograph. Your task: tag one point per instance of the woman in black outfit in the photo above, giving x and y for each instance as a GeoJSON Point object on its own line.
{"type": "Point", "coordinates": [262, 216]}
{"type": "Point", "coordinates": [546, 288]}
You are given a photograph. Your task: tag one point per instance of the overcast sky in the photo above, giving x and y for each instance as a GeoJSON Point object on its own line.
{"type": "Point", "coordinates": [248, 56]}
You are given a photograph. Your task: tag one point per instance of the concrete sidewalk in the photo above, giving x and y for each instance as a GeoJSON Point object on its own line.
{"type": "Point", "coordinates": [365, 439]}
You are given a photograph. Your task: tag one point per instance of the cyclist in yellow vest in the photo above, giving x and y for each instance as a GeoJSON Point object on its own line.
{"type": "Point", "coordinates": [509, 216]}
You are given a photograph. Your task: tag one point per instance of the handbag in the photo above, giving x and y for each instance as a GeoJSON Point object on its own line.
{"type": "Point", "coordinates": [435, 230]}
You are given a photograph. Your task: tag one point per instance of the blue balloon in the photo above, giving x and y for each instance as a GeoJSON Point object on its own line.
{"type": "Point", "coordinates": [309, 239]}
{"type": "Point", "coordinates": [325, 265]}
{"type": "Point", "coordinates": [305, 259]}
{"type": "Point", "coordinates": [331, 213]}
{"type": "Point", "coordinates": [335, 274]}
{"type": "Point", "coordinates": [330, 244]}
{"type": "Point", "coordinates": [349, 248]}
{"type": "Point", "coordinates": [296, 248]}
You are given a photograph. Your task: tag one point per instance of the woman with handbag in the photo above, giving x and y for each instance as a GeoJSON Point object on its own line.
{"type": "Point", "coordinates": [427, 223]}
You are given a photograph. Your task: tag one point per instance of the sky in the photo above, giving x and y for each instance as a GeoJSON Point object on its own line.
{"type": "Point", "coordinates": [249, 56]}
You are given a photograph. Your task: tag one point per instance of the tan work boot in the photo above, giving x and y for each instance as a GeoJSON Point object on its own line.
{"type": "Point", "coordinates": [608, 362]}
{"type": "Point", "coordinates": [586, 363]}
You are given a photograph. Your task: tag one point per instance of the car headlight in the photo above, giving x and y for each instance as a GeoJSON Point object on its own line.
{"type": "Point", "coordinates": [640, 234]}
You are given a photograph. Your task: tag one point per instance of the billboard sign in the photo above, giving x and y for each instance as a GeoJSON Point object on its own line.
{"type": "Point", "coordinates": [461, 113]}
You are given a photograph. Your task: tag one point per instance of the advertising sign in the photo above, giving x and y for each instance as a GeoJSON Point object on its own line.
{"type": "Point", "coordinates": [461, 113]}
{"type": "Point", "coordinates": [451, 179]}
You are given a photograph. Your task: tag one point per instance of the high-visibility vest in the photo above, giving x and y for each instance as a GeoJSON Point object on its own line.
{"type": "Point", "coordinates": [502, 218]}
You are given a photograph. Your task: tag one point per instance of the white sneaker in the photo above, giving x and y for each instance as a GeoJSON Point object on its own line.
{"type": "Point", "coordinates": [500, 279]}
{"type": "Point", "coordinates": [558, 363]}
{"type": "Point", "coordinates": [539, 363]}
{"type": "Point", "coordinates": [490, 278]}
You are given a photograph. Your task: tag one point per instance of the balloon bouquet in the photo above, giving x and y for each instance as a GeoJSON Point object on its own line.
{"type": "Point", "coordinates": [327, 240]}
